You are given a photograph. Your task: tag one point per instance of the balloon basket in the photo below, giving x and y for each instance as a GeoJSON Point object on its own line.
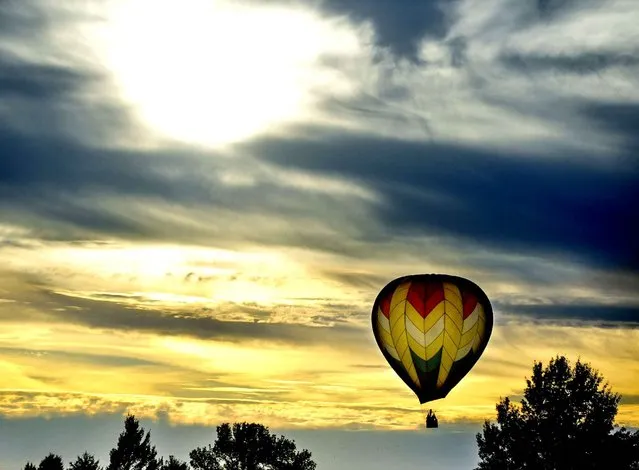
{"type": "Point", "coordinates": [430, 419]}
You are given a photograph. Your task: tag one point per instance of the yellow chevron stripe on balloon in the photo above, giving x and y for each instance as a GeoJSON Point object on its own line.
{"type": "Point", "coordinates": [453, 322]}
{"type": "Point", "coordinates": [435, 315]}
{"type": "Point", "coordinates": [383, 321]}
{"type": "Point", "coordinates": [398, 329]}
{"type": "Point", "coordinates": [435, 346]}
{"type": "Point", "coordinates": [383, 326]}
{"type": "Point", "coordinates": [415, 331]}
{"type": "Point", "coordinates": [435, 338]}
{"type": "Point", "coordinates": [481, 331]}
{"type": "Point", "coordinates": [387, 340]}
{"type": "Point", "coordinates": [469, 332]}
{"type": "Point", "coordinates": [399, 297]}
{"type": "Point", "coordinates": [414, 316]}
{"type": "Point", "coordinates": [416, 348]}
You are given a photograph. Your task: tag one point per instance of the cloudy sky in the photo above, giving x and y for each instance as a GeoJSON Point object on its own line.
{"type": "Point", "coordinates": [200, 200]}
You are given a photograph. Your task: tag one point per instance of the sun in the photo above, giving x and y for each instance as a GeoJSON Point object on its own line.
{"type": "Point", "coordinates": [217, 72]}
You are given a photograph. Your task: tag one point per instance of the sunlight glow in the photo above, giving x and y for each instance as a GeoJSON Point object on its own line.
{"type": "Point", "coordinates": [173, 275]}
{"type": "Point", "coordinates": [216, 72]}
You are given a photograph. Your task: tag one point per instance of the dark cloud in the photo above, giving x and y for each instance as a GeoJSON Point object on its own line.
{"type": "Point", "coordinates": [601, 315]}
{"type": "Point", "coordinates": [628, 399]}
{"type": "Point", "coordinates": [66, 357]}
{"type": "Point", "coordinates": [458, 51]}
{"type": "Point", "coordinates": [370, 366]}
{"type": "Point", "coordinates": [23, 18]}
{"type": "Point", "coordinates": [360, 280]}
{"type": "Point", "coordinates": [36, 81]}
{"type": "Point", "coordinates": [198, 322]}
{"type": "Point", "coordinates": [466, 196]}
{"type": "Point", "coordinates": [580, 63]}
{"type": "Point", "coordinates": [47, 180]}
{"type": "Point", "coordinates": [621, 120]}
{"type": "Point", "coordinates": [519, 203]}
{"type": "Point", "coordinates": [547, 9]}
{"type": "Point", "coordinates": [41, 163]}
{"type": "Point", "coordinates": [399, 24]}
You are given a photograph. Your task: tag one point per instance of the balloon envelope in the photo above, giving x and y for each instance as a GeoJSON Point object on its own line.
{"type": "Point", "coordinates": [432, 329]}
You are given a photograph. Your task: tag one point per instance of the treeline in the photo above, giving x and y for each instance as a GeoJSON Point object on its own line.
{"type": "Point", "coordinates": [241, 446]}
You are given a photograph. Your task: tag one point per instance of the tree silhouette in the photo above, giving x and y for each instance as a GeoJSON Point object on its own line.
{"type": "Point", "coordinates": [134, 450]}
{"type": "Point", "coordinates": [174, 464]}
{"type": "Point", "coordinates": [242, 446]}
{"type": "Point", "coordinates": [565, 421]}
{"type": "Point", "coordinates": [250, 446]}
{"type": "Point", "coordinates": [85, 461]}
{"type": "Point", "coordinates": [51, 462]}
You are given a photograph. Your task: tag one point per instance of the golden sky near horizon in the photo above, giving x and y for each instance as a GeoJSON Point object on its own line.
{"type": "Point", "coordinates": [99, 329]}
{"type": "Point", "coordinates": [178, 244]}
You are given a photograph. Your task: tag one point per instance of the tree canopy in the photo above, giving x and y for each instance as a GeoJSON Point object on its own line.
{"type": "Point", "coordinates": [85, 461]}
{"type": "Point", "coordinates": [250, 446]}
{"type": "Point", "coordinates": [565, 421]}
{"type": "Point", "coordinates": [51, 462]}
{"type": "Point", "coordinates": [174, 464]}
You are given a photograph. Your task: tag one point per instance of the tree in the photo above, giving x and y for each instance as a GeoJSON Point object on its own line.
{"type": "Point", "coordinates": [85, 461]}
{"type": "Point", "coordinates": [51, 462]}
{"type": "Point", "coordinates": [250, 446]}
{"type": "Point", "coordinates": [30, 466]}
{"type": "Point", "coordinates": [134, 450]}
{"type": "Point", "coordinates": [174, 464]}
{"type": "Point", "coordinates": [565, 421]}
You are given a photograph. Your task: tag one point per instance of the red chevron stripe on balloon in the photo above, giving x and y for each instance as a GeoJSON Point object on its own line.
{"type": "Point", "coordinates": [470, 302]}
{"type": "Point", "coordinates": [425, 297]}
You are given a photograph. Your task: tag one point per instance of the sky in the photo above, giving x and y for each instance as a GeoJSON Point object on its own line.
{"type": "Point", "coordinates": [200, 200]}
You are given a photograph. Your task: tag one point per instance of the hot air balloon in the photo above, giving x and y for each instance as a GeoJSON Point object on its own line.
{"type": "Point", "coordinates": [432, 329]}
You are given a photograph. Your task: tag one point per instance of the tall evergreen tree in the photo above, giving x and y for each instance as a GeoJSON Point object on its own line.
{"type": "Point", "coordinates": [134, 450]}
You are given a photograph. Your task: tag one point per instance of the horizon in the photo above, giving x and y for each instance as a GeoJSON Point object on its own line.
{"type": "Point", "coordinates": [330, 448]}
{"type": "Point", "coordinates": [200, 203]}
